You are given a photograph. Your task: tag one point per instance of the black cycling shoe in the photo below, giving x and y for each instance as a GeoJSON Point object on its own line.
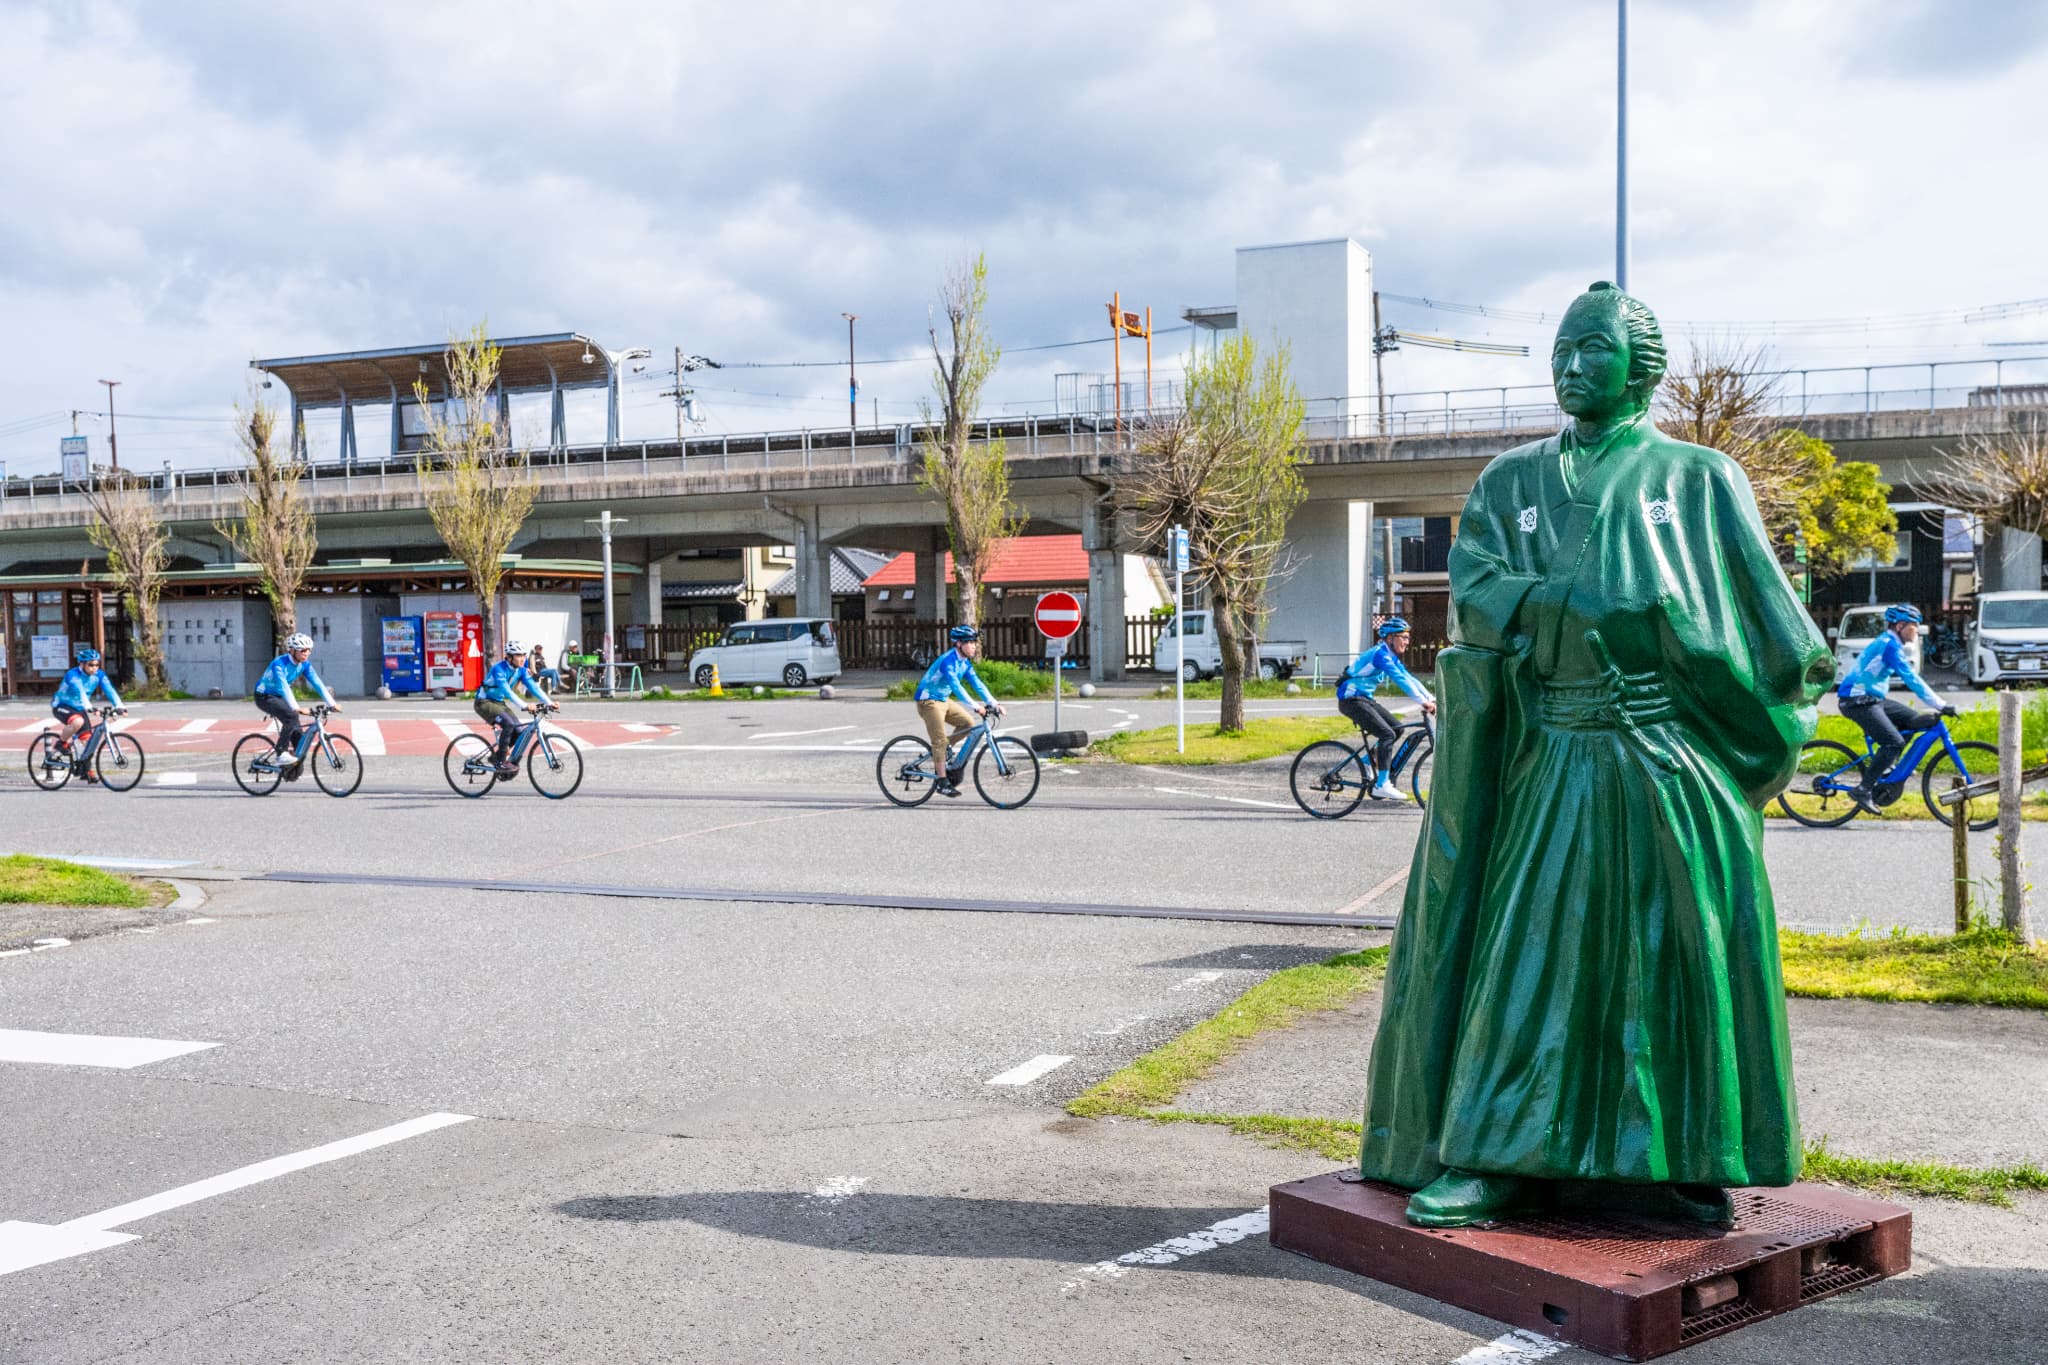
{"type": "Point", "coordinates": [1864, 801]}
{"type": "Point", "coordinates": [947, 789]}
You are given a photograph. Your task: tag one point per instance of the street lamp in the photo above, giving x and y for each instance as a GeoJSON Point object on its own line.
{"type": "Point", "coordinates": [604, 521]}
{"type": "Point", "coordinates": [852, 385]}
{"type": "Point", "coordinates": [611, 360]}
{"type": "Point", "coordinates": [1621, 242]}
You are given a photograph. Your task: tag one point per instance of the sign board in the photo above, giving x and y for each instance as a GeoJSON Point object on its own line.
{"type": "Point", "coordinates": [1058, 615]}
{"type": "Point", "coordinates": [1056, 647]}
{"type": "Point", "coordinates": [77, 459]}
{"type": "Point", "coordinates": [1177, 548]}
{"type": "Point", "coordinates": [49, 653]}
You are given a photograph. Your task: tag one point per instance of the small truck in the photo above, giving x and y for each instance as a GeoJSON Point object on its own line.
{"type": "Point", "coordinates": [1204, 658]}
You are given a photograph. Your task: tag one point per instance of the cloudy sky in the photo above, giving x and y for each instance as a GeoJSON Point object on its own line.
{"type": "Point", "coordinates": [192, 184]}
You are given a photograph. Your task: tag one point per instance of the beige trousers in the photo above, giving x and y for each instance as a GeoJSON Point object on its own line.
{"type": "Point", "coordinates": [937, 717]}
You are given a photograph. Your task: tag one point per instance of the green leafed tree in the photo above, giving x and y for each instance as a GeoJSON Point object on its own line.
{"type": "Point", "coordinates": [971, 478]}
{"type": "Point", "coordinates": [478, 486]}
{"type": "Point", "coordinates": [274, 529]}
{"type": "Point", "coordinates": [1839, 510]}
{"type": "Point", "coordinates": [1226, 467]}
{"type": "Point", "coordinates": [127, 525]}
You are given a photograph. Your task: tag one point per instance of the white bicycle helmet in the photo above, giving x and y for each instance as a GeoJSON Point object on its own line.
{"type": "Point", "coordinates": [297, 641]}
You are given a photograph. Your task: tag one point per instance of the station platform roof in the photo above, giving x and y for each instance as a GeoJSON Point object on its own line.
{"type": "Point", "coordinates": [535, 364]}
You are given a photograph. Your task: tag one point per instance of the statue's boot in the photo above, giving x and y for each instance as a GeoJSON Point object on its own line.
{"type": "Point", "coordinates": [1459, 1199]}
{"type": "Point", "coordinates": [1707, 1204]}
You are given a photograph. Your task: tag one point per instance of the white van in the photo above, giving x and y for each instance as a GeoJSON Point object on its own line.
{"type": "Point", "coordinates": [785, 652]}
{"type": "Point", "coordinates": [2008, 638]}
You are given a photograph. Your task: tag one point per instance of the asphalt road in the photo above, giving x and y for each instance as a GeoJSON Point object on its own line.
{"type": "Point", "coordinates": [709, 1128]}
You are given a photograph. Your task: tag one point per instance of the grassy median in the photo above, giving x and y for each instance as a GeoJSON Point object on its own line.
{"type": "Point", "coordinates": [1986, 966]}
{"type": "Point", "coordinates": [1262, 737]}
{"type": "Point", "coordinates": [28, 880]}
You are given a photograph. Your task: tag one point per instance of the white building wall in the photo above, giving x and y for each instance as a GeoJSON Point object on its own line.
{"type": "Point", "coordinates": [1316, 298]}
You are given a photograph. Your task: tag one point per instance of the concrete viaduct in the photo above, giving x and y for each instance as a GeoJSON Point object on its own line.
{"type": "Point", "coordinates": [827, 489]}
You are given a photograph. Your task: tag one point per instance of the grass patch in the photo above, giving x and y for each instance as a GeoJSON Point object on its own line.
{"type": "Point", "coordinates": [1986, 966]}
{"type": "Point", "coordinates": [1255, 689]}
{"type": "Point", "coordinates": [27, 880]}
{"type": "Point", "coordinates": [738, 692]}
{"type": "Point", "coordinates": [1263, 737]}
{"type": "Point", "coordinates": [1008, 682]}
{"type": "Point", "coordinates": [1933, 1179]}
{"type": "Point", "coordinates": [1153, 1080]}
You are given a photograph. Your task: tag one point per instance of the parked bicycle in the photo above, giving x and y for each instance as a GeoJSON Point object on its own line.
{"type": "Point", "coordinates": [553, 762]}
{"type": "Point", "coordinates": [1005, 768]}
{"type": "Point", "coordinates": [258, 766]}
{"type": "Point", "coordinates": [1828, 771]}
{"type": "Point", "coordinates": [1331, 777]}
{"type": "Point", "coordinates": [1945, 647]}
{"type": "Point", "coordinates": [116, 760]}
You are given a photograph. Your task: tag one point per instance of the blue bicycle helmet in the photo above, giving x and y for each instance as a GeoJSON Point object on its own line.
{"type": "Point", "coordinates": [1904, 613]}
{"type": "Point", "coordinates": [1393, 625]}
{"type": "Point", "coordinates": [88, 655]}
{"type": "Point", "coordinates": [960, 635]}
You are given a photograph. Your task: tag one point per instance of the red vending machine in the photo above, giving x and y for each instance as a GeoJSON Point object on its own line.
{"type": "Point", "coordinates": [444, 650]}
{"type": "Point", "coordinates": [473, 660]}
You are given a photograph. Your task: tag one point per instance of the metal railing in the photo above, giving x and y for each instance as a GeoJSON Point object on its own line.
{"type": "Point", "coordinates": [1927, 386]}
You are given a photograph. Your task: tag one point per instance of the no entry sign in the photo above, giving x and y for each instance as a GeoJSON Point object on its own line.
{"type": "Point", "coordinates": [1058, 615]}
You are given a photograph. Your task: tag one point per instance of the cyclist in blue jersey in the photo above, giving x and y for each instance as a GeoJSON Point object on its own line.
{"type": "Point", "coordinates": [1861, 697]}
{"type": "Point", "coordinates": [276, 698]}
{"type": "Point", "coordinates": [497, 701]}
{"type": "Point", "coordinates": [1355, 700]}
{"type": "Point", "coordinates": [74, 697]}
{"type": "Point", "coordinates": [946, 720]}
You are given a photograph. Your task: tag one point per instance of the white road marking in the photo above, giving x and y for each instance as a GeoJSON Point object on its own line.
{"type": "Point", "coordinates": [839, 1188]}
{"type": "Point", "coordinates": [1234, 800]}
{"type": "Point", "coordinates": [1353, 907]}
{"type": "Point", "coordinates": [202, 919]}
{"type": "Point", "coordinates": [740, 748]}
{"type": "Point", "coordinates": [1515, 1348]}
{"type": "Point", "coordinates": [452, 728]}
{"type": "Point", "coordinates": [1027, 1072]}
{"type": "Point", "coordinates": [1219, 1234]}
{"type": "Point", "coordinates": [197, 727]}
{"type": "Point", "coordinates": [41, 945]}
{"type": "Point", "coordinates": [1197, 980]}
{"type": "Point", "coordinates": [368, 736]}
{"type": "Point", "coordinates": [639, 729]}
{"type": "Point", "coordinates": [30, 1244]}
{"type": "Point", "coordinates": [177, 779]}
{"type": "Point", "coordinates": [792, 734]}
{"type": "Point", "coordinates": [121, 725]}
{"type": "Point", "coordinates": [43, 724]}
{"type": "Point", "coordinates": [88, 1049]}
{"type": "Point", "coordinates": [1118, 1027]}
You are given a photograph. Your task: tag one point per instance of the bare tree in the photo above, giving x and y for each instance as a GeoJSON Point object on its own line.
{"type": "Point", "coordinates": [1838, 511]}
{"type": "Point", "coordinates": [972, 480]}
{"type": "Point", "coordinates": [478, 488]}
{"type": "Point", "coordinates": [125, 524]}
{"type": "Point", "coordinates": [275, 529]}
{"type": "Point", "coordinates": [1999, 477]}
{"type": "Point", "coordinates": [1225, 467]}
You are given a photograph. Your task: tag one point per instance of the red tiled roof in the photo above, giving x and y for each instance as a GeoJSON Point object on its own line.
{"type": "Point", "coordinates": [1024, 561]}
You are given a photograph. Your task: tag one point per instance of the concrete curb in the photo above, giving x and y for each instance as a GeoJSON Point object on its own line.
{"type": "Point", "coordinates": [191, 895]}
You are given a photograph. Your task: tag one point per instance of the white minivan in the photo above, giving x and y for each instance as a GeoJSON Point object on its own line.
{"type": "Point", "coordinates": [2008, 637]}
{"type": "Point", "coordinates": [786, 652]}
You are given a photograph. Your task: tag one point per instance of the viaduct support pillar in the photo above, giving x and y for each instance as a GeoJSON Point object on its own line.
{"type": "Point", "coordinates": [931, 581]}
{"type": "Point", "coordinates": [2012, 562]}
{"type": "Point", "coordinates": [1106, 635]}
{"type": "Point", "coordinates": [646, 604]}
{"type": "Point", "coordinates": [813, 568]}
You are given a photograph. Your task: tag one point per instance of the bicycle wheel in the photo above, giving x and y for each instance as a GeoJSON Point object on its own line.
{"type": "Point", "coordinates": [466, 763]}
{"type": "Point", "coordinates": [556, 767]}
{"type": "Point", "coordinates": [47, 766]}
{"type": "Point", "coordinates": [1006, 790]}
{"type": "Point", "coordinates": [336, 765]}
{"type": "Point", "coordinates": [903, 771]}
{"type": "Point", "coordinates": [1328, 779]}
{"type": "Point", "coordinates": [1421, 761]}
{"type": "Point", "coordinates": [1980, 760]}
{"type": "Point", "coordinates": [119, 763]}
{"type": "Point", "coordinates": [1818, 794]}
{"type": "Point", "coordinates": [253, 780]}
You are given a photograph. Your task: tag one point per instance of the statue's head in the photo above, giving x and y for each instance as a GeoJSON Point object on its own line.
{"type": "Point", "coordinates": [1609, 355]}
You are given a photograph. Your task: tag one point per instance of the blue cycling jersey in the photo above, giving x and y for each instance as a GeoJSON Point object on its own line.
{"type": "Point", "coordinates": [948, 677]}
{"type": "Point", "coordinates": [503, 682]}
{"type": "Point", "coordinates": [277, 680]}
{"type": "Point", "coordinates": [1363, 678]}
{"type": "Point", "coordinates": [77, 688]}
{"type": "Point", "coordinates": [1881, 661]}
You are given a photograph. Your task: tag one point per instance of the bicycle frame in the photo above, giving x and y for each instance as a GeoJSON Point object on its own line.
{"type": "Point", "coordinates": [1909, 762]}
{"type": "Point", "coordinates": [91, 735]}
{"type": "Point", "coordinates": [530, 734]}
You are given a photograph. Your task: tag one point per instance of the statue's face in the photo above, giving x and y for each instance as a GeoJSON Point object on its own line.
{"type": "Point", "coordinates": [1589, 362]}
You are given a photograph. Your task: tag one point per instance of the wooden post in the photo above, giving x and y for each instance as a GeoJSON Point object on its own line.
{"type": "Point", "coordinates": [1959, 852]}
{"type": "Point", "coordinates": [2012, 894]}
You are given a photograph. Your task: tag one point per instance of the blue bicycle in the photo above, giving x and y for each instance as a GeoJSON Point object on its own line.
{"type": "Point", "coordinates": [553, 762]}
{"type": "Point", "coordinates": [1819, 793]}
{"type": "Point", "coordinates": [97, 754]}
{"type": "Point", "coordinates": [1005, 769]}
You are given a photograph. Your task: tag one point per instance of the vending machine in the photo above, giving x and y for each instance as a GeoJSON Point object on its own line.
{"type": "Point", "coordinates": [405, 661]}
{"type": "Point", "coordinates": [472, 653]}
{"type": "Point", "coordinates": [444, 650]}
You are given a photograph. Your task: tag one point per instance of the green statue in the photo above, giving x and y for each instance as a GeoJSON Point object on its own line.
{"type": "Point", "coordinates": [1584, 1003]}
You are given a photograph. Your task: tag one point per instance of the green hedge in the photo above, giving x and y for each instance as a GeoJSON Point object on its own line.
{"type": "Point", "coordinates": [1005, 680]}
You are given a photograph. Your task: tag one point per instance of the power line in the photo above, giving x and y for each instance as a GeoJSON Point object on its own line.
{"type": "Point", "coordinates": [1876, 322]}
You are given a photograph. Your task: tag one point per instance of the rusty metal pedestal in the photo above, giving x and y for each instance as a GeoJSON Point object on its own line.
{"type": "Point", "coordinates": [1625, 1286]}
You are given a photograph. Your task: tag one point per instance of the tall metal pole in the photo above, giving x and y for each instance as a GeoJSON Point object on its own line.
{"type": "Point", "coordinates": [852, 384]}
{"type": "Point", "coordinates": [113, 450]}
{"type": "Point", "coordinates": [604, 527]}
{"type": "Point", "coordinates": [1621, 148]}
{"type": "Point", "coordinates": [1116, 341]}
{"type": "Point", "coordinates": [679, 400]}
{"type": "Point", "coordinates": [1379, 367]}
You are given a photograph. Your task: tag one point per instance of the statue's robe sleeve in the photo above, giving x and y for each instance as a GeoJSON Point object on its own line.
{"type": "Point", "coordinates": [1424, 995]}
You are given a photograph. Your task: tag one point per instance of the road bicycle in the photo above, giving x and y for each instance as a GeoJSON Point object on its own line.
{"type": "Point", "coordinates": [553, 762]}
{"type": "Point", "coordinates": [1331, 777]}
{"type": "Point", "coordinates": [1945, 647]}
{"type": "Point", "coordinates": [1819, 793]}
{"type": "Point", "coordinates": [116, 760]}
{"type": "Point", "coordinates": [1005, 769]}
{"type": "Point", "coordinates": [336, 765]}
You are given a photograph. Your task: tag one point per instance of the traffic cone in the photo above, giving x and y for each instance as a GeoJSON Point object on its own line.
{"type": "Point", "coordinates": [716, 690]}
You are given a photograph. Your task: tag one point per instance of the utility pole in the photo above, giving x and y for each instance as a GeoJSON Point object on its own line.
{"type": "Point", "coordinates": [852, 384]}
{"type": "Point", "coordinates": [113, 450]}
{"type": "Point", "coordinates": [1621, 244]}
{"type": "Point", "coordinates": [680, 398]}
{"type": "Point", "coordinates": [1382, 342]}
{"type": "Point", "coordinates": [682, 393]}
